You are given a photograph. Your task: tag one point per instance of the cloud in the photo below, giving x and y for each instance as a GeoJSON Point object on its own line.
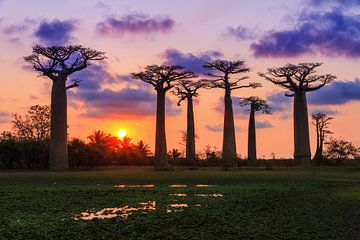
{"type": "Point", "coordinates": [337, 93]}
{"type": "Point", "coordinates": [342, 3]}
{"type": "Point", "coordinates": [94, 76]}
{"type": "Point", "coordinates": [219, 128]}
{"type": "Point", "coordinates": [330, 33]}
{"type": "Point", "coordinates": [193, 62]}
{"type": "Point", "coordinates": [215, 128]}
{"type": "Point", "coordinates": [263, 124]}
{"type": "Point", "coordinates": [16, 32]}
{"type": "Point", "coordinates": [134, 24]}
{"type": "Point", "coordinates": [326, 111]}
{"type": "Point", "coordinates": [279, 102]}
{"type": "Point", "coordinates": [4, 117]}
{"type": "Point", "coordinates": [56, 32]}
{"type": "Point", "coordinates": [122, 103]}
{"type": "Point", "coordinates": [241, 33]}
{"type": "Point", "coordinates": [239, 111]}
{"type": "Point", "coordinates": [100, 101]}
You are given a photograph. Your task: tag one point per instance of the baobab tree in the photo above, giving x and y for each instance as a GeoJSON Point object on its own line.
{"type": "Point", "coordinates": [58, 63]}
{"type": "Point", "coordinates": [256, 105]}
{"type": "Point", "coordinates": [299, 79]}
{"type": "Point", "coordinates": [220, 77]}
{"type": "Point", "coordinates": [188, 89]}
{"type": "Point", "coordinates": [321, 122]}
{"type": "Point", "coordinates": [162, 78]}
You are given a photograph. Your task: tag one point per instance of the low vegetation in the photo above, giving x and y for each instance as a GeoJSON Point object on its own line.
{"type": "Point", "coordinates": [323, 203]}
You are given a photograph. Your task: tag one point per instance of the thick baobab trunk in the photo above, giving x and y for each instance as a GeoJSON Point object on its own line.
{"type": "Point", "coordinates": [190, 135]}
{"type": "Point", "coordinates": [161, 158]}
{"type": "Point", "coordinates": [58, 131]}
{"type": "Point", "coordinates": [252, 139]}
{"type": "Point", "coordinates": [229, 144]}
{"type": "Point", "coordinates": [302, 153]}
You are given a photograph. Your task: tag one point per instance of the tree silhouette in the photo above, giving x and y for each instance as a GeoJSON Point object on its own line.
{"type": "Point", "coordinates": [256, 105]}
{"type": "Point", "coordinates": [57, 63]}
{"type": "Point", "coordinates": [34, 125]}
{"type": "Point", "coordinates": [321, 121]}
{"type": "Point", "coordinates": [162, 78]}
{"type": "Point", "coordinates": [340, 150]}
{"type": "Point", "coordinates": [187, 89]}
{"type": "Point", "coordinates": [299, 79]}
{"type": "Point", "coordinates": [220, 72]}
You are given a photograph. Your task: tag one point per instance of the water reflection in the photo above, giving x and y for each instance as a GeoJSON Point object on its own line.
{"type": "Point", "coordinates": [176, 207]}
{"type": "Point", "coordinates": [178, 194]}
{"type": "Point", "coordinates": [134, 186]}
{"type": "Point", "coordinates": [205, 185]}
{"type": "Point", "coordinates": [177, 186]}
{"type": "Point", "coordinates": [122, 212]}
{"type": "Point", "coordinates": [210, 195]}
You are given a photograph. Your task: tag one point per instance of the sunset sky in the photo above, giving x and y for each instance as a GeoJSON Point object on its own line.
{"type": "Point", "coordinates": [135, 33]}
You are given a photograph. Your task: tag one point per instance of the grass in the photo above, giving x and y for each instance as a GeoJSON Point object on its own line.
{"type": "Point", "coordinates": [287, 203]}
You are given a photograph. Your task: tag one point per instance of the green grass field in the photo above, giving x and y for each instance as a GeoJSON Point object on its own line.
{"type": "Point", "coordinates": [319, 203]}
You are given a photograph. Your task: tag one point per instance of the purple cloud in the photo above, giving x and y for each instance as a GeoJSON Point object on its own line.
{"type": "Point", "coordinates": [56, 32]}
{"type": "Point", "coordinates": [219, 128]}
{"type": "Point", "coordinates": [263, 124]}
{"type": "Point", "coordinates": [126, 102]}
{"type": "Point", "coordinates": [134, 24]}
{"type": "Point", "coordinates": [4, 117]}
{"type": "Point", "coordinates": [241, 33]}
{"type": "Point", "coordinates": [239, 111]}
{"type": "Point", "coordinates": [214, 128]}
{"type": "Point", "coordinates": [337, 35]}
{"type": "Point", "coordinates": [133, 100]}
{"type": "Point", "coordinates": [279, 102]}
{"type": "Point", "coordinates": [326, 111]}
{"type": "Point", "coordinates": [337, 93]}
{"type": "Point", "coordinates": [343, 3]}
{"type": "Point", "coordinates": [193, 62]}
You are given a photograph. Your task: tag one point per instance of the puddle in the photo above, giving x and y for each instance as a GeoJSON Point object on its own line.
{"type": "Point", "coordinates": [134, 186]}
{"type": "Point", "coordinates": [205, 185]}
{"type": "Point", "coordinates": [176, 207]}
{"type": "Point", "coordinates": [177, 186]}
{"type": "Point", "coordinates": [122, 212]}
{"type": "Point", "coordinates": [178, 194]}
{"type": "Point", "coordinates": [210, 195]}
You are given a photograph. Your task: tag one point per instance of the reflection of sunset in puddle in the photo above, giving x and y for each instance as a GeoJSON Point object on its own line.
{"type": "Point", "coordinates": [205, 185]}
{"type": "Point", "coordinates": [176, 207]}
{"type": "Point", "coordinates": [123, 212]}
{"type": "Point", "coordinates": [178, 194]}
{"type": "Point", "coordinates": [134, 186]}
{"type": "Point", "coordinates": [177, 186]}
{"type": "Point", "coordinates": [149, 206]}
{"type": "Point", "coordinates": [209, 195]}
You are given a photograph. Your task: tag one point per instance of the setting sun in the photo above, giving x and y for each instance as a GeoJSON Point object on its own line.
{"type": "Point", "coordinates": [121, 133]}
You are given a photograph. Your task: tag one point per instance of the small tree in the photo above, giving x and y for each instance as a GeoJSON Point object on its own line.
{"type": "Point", "coordinates": [341, 150]}
{"type": "Point", "coordinates": [299, 79]}
{"type": "Point", "coordinates": [220, 77]}
{"type": "Point", "coordinates": [256, 105]}
{"type": "Point", "coordinates": [187, 89]}
{"type": "Point", "coordinates": [58, 63]}
{"type": "Point", "coordinates": [321, 122]}
{"type": "Point", "coordinates": [162, 78]}
{"type": "Point", "coordinates": [34, 125]}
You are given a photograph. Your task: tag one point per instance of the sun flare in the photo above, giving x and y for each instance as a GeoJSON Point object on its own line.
{"type": "Point", "coordinates": [121, 133]}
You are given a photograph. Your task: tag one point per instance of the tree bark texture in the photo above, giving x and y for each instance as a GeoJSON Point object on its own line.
{"type": "Point", "coordinates": [229, 144]}
{"type": "Point", "coordinates": [190, 135]}
{"type": "Point", "coordinates": [58, 130]}
{"type": "Point", "coordinates": [302, 153]}
{"type": "Point", "coordinates": [161, 158]}
{"type": "Point", "coordinates": [252, 160]}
